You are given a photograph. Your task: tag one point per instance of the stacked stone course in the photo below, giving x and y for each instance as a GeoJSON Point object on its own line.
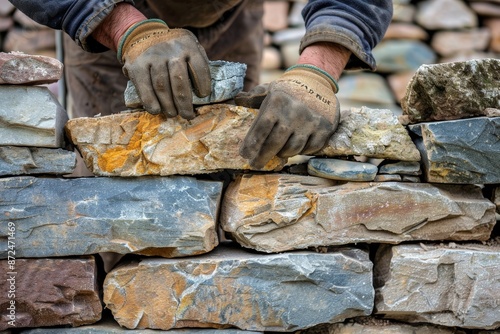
{"type": "Point", "coordinates": [410, 248]}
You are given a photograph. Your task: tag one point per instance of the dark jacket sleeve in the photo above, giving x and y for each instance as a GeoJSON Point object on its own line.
{"type": "Point", "coordinates": [78, 18]}
{"type": "Point", "coordinates": [358, 25]}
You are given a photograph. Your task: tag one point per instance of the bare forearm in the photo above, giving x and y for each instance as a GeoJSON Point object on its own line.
{"type": "Point", "coordinates": [112, 28]}
{"type": "Point", "coordinates": [327, 56]}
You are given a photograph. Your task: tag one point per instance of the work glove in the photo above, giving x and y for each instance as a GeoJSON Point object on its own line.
{"type": "Point", "coordinates": [165, 65]}
{"type": "Point", "coordinates": [298, 115]}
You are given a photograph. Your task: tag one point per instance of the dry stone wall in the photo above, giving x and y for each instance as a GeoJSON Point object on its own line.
{"type": "Point", "coordinates": [352, 239]}
{"type": "Point", "coordinates": [392, 228]}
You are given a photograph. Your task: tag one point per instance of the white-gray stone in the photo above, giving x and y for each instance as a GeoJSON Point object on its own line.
{"type": "Point", "coordinates": [456, 285]}
{"type": "Point", "coordinates": [281, 212]}
{"type": "Point", "coordinates": [227, 81]}
{"type": "Point", "coordinates": [31, 116]}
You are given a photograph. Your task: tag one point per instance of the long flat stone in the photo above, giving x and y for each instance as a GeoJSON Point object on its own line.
{"type": "Point", "coordinates": [31, 116]}
{"type": "Point", "coordinates": [460, 151]}
{"type": "Point", "coordinates": [441, 285]}
{"type": "Point", "coordinates": [135, 144]}
{"type": "Point", "coordinates": [376, 326]}
{"type": "Point", "coordinates": [49, 292]}
{"type": "Point", "coordinates": [110, 327]}
{"type": "Point", "coordinates": [280, 212]}
{"type": "Point", "coordinates": [454, 90]}
{"type": "Point", "coordinates": [374, 133]}
{"type": "Point", "coordinates": [227, 81]}
{"type": "Point", "coordinates": [35, 160]}
{"type": "Point", "coordinates": [17, 68]}
{"type": "Point", "coordinates": [230, 287]}
{"type": "Point", "coordinates": [152, 215]}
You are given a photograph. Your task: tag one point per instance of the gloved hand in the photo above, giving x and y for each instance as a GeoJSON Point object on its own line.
{"type": "Point", "coordinates": [163, 65]}
{"type": "Point", "coordinates": [298, 115]}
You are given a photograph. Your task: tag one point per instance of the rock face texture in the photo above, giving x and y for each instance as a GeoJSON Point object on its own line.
{"type": "Point", "coordinates": [371, 133]}
{"type": "Point", "coordinates": [460, 151]}
{"type": "Point", "coordinates": [135, 144]}
{"type": "Point", "coordinates": [111, 327]}
{"type": "Point", "coordinates": [268, 212]}
{"type": "Point", "coordinates": [31, 116]}
{"type": "Point", "coordinates": [453, 90]}
{"type": "Point", "coordinates": [229, 287]}
{"type": "Point", "coordinates": [375, 326]}
{"type": "Point", "coordinates": [35, 160]}
{"type": "Point", "coordinates": [17, 68]}
{"type": "Point", "coordinates": [439, 285]}
{"type": "Point", "coordinates": [50, 292]}
{"type": "Point", "coordinates": [61, 217]}
{"type": "Point", "coordinates": [227, 81]}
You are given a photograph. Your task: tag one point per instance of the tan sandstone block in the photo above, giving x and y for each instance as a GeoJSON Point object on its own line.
{"type": "Point", "coordinates": [135, 144]}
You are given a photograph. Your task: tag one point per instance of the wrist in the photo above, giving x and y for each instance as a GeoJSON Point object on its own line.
{"type": "Point", "coordinates": [329, 57]}
{"type": "Point", "coordinates": [114, 26]}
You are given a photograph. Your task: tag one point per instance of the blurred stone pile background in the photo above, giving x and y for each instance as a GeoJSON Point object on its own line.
{"type": "Point", "coordinates": [422, 32]}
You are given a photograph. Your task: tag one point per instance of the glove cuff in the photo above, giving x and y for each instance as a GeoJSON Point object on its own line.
{"type": "Point", "coordinates": [332, 81]}
{"type": "Point", "coordinates": [125, 39]}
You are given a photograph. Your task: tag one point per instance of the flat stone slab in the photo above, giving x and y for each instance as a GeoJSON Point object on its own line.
{"type": "Point", "coordinates": [113, 328]}
{"type": "Point", "coordinates": [167, 217]}
{"type": "Point", "coordinates": [135, 144]}
{"type": "Point", "coordinates": [376, 326]}
{"type": "Point", "coordinates": [455, 90]}
{"type": "Point", "coordinates": [35, 160]}
{"type": "Point", "coordinates": [451, 286]}
{"type": "Point", "coordinates": [267, 212]}
{"type": "Point", "coordinates": [49, 292]}
{"type": "Point", "coordinates": [337, 169]}
{"type": "Point", "coordinates": [31, 116]}
{"type": "Point", "coordinates": [463, 151]}
{"type": "Point", "coordinates": [227, 81]}
{"type": "Point", "coordinates": [374, 133]}
{"type": "Point", "coordinates": [230, 287]}
{"type": "Point", "coordinates": [17, 68]}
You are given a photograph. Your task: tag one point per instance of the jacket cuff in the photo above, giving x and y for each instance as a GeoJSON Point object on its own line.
{"type": "Point", "coordinates": [83, 35]}
{"type": "Point", "coordinates": [325, 33]}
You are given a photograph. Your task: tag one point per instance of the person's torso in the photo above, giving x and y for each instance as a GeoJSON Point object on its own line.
{"type": "Point", "coordinates": [191, 13]}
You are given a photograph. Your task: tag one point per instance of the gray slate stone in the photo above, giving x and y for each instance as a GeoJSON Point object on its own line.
{"type": "Point", "coordinates": [31, 116]}
{"type": "Point", "coordinates": [463, 151]}
{"type": "Point", "coordinates": [279, 292]}
{"type": "Point", "coordinates": [344, 170]}
{"type": "Point", "coordinates": [451, 286]}
{"type": "Point", "coordinates": [227, 81]}
{"type": "Point", "coordinates": [401, 167]}
{"type": "Point", "coordinates": [452, 90]}
{"type": "Point", "coordinates": [152, 215]}
{"type": "Point", "coordinates": [33, 160]}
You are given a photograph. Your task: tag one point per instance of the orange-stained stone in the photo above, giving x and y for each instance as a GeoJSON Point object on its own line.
{"type": "Point", "coordinates": [135, 144]}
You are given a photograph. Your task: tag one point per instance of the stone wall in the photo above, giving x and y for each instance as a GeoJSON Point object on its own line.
{"type": "Point", "coordinates": [392, 227]}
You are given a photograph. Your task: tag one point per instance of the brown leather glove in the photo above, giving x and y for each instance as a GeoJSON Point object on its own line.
{"type": "Point", "coordinates": [165, 65]}
{"type": "Point", "coordinates": [298, 115]}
